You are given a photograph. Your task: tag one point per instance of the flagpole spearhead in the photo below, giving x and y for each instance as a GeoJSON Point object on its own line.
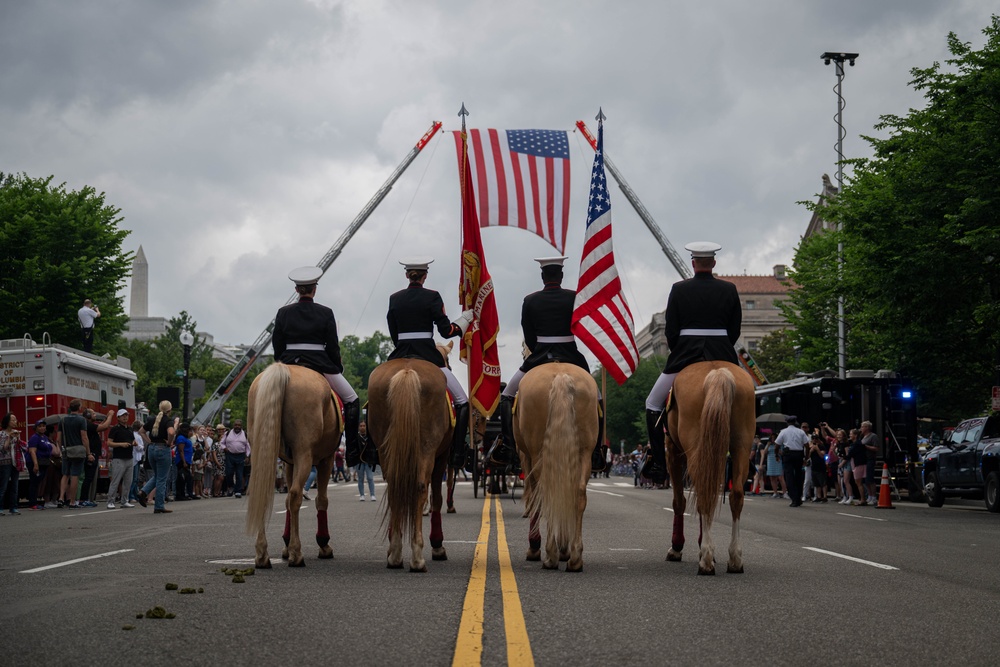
{"type": "Point", "coordinates": [600, 117]}
{"type": "Point", "coordinates": [463, 112]}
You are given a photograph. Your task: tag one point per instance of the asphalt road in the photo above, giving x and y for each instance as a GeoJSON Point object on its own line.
{"type": "Point", "coordinates": [824, 584]}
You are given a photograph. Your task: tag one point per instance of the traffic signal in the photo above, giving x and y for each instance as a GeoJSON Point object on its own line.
{"type": "Point", "coordinates": [226, 412]}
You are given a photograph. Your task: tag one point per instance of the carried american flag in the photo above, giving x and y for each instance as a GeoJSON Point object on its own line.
{"type": "Point", "coordinates": [601, 318]}
{"type": "Point", "coordinates": [521, 178]}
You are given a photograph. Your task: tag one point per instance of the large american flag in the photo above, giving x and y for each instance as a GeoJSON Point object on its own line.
{"type": "Point", "coordinates": [521, 179]}
{"type": "Point", "coordinates": [601, 317]}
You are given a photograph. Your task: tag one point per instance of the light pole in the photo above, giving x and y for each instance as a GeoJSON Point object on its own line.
{"type": "Point", "coordinates": [187, 340]}
{"type": "Point", "coordinates": [838, 59]}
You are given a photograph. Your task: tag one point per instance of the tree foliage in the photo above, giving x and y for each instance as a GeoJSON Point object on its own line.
{"type": "Point", "coordinates": [921, 237]}
{"type": "Point", "coordinates": [57, 248]}
{"type": "Point", "coordinates": [361, 356]}
{"type": "Point", "coordinates": [625, 404]}
{"type": "Point", "coordinates": [777, 356]}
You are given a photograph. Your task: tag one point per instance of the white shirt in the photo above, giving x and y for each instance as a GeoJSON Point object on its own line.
{"type": "Point", "coordinates": [139, 447]}
{"type": "Point", "coordinates": [87, 317]}
{"type": "Point", "coordinates": [793, 438]}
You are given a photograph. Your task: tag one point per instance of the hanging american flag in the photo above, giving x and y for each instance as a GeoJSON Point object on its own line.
{"type": "Point", "coordinates": [601, 318]}
{"type": "Point", "coordinates": [521, 179]}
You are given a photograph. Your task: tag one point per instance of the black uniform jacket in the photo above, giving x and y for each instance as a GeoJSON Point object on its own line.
{"type": "Point", "coordinates": [702, 302]}
{"type": "Point", "coordinates": [418, 310]}
{"type": "Point", "coordinates": [549, 313]}
{"type": "Point", "coordinates": [307, 322]}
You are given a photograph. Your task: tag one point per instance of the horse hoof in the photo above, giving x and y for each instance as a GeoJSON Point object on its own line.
{"type": "Point", "coordinates": [673, 557]}
{"type": "Point", "coordinates": [284, 554]}
{"type": "Point", "coordinates": [423, 568]}
{"type": "Point", "coordinates": [326, 555]}
{"type": "Point", "coordinates": [578, 568]}
{"type": "Point", "coordinates": [299, 563]}
{"type": "Point", "coordinates": [734, 570]}
{"type": "Point", "coordinates": [709, 572]}
{"type": "Point", "coordinates": [563, 556]}
{"type": "Point", "coordinates": [266, 565]}
{"type": "Point", "coordinates": [550, 565]}
{"type": "Point", "coordinates": [525, 515]}
{"type": "Point", "coordinates": [439, 556]}
{"type": "Point", "coordinates": [533, 555]}
{"type": "Point", "coordinates": [451, 510]}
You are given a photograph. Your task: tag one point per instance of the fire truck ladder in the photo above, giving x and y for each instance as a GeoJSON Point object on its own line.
{"type": "Point", "coordinates": [215, 402]}
{"type": "Point", "coordinates": [683, 269]}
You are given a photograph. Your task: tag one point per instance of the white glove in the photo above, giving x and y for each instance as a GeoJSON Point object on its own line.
{"type": "Point", "coordinates": [464, 320]}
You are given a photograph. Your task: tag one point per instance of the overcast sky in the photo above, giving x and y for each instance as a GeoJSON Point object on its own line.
{"type": "Point", "coordinates": [240, 139]}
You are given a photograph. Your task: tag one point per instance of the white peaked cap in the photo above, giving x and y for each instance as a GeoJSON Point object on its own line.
{"type": "Point", "coordinates": [306, 275]}
{"type": "Point", "coordinates": [550, 261]}
{"type": "Point", "coordinates": [703, 248]}
{"type": "Point", "coordinates": [416, 263]}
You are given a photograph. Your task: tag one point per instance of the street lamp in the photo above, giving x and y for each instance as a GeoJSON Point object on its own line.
{"type": "Point", "coordinates": [838, 59]}
{"type": "Point", "coordinates": [187, 340]}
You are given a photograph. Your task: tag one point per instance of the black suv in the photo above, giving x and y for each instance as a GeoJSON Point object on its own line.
{"type": "Point", "coordinates": [966, 464]}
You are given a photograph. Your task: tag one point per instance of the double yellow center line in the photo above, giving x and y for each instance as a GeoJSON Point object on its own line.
{"type": "Point", "coordinates": [469, 646]}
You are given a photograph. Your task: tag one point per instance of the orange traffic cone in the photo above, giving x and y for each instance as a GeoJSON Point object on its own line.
{"type": "Point", "coordinates": [885, 493]}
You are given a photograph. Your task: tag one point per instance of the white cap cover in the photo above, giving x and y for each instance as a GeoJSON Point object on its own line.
{"type": "Point", "coordinates": [416, 263]}
{"type": "Point", "coordinates": [550, 261]}
{"type": "Point", "coordinates": [306, 275]}
{"type": "Point", "coordinates": [703, 248]}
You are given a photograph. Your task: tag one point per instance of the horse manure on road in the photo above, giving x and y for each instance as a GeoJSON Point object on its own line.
{"type": "Point", "coordinates": [159, 612]}
{"type": "Point", "coordinates": [128, 627]}
{"type": "Point", "coordinates": [187, 591]}
{"type": "Point", "coordinates": [238, 579]}
{"type": "Point", "coordinates": [171, 587]}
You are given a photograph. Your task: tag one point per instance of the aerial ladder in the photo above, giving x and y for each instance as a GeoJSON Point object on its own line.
{"type": "Point", "coordinates": [682, 267]}
{"type": "Point", "coordinates": [214, 404]}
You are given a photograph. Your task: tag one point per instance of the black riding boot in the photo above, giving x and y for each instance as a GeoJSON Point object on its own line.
{"type": "Point", "coordinates": [458, 438]}
{"type": "Point", "coordinates": [503, 453]}
{"type": "Point", "coordinates": [655, 467]}
{"type": "Point", "coordinates": [352, 413]}
{"type": "Point", "coordinates": [598, 460]}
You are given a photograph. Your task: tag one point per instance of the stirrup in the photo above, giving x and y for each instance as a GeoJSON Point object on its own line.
{"type": "Point", "coordinates": [653, 472]}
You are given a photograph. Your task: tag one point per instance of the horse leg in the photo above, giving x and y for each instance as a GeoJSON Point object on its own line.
{"type": "Point", "coordinates": [262, 560]}
{"type": "Point", "coordinates": [286, 536]}
{"type": "Point", "coordinates": [417, 562]}
{"type": "Point", "coordinates": [394, 556]}
{"type": "Point", "coordinates": [706, 552]}
{"type": "Point", "coordinates": [294, 503]}
{"type": "Point", "coordinates": [452, 478]}
{"type": "Point", "coordinates": [551, 561]}
{"type": "Point", "coordinates": [677, 484]}
{"type": "Point", "coordinates": [534, 539]}
{"type": "Point", "coordinates": [437, 535]}
{"type": "Point", "coordinates": [735, 564]}
{"type": "Point", "coordinates": [322, 503]}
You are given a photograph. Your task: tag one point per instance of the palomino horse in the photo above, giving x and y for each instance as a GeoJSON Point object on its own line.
{"type": "Point", "coordinates": [712, 415]}
{"type": "Point", "coordinates": [291, 414]}
{"type": "Point", "coordinates": [409, 419]}
{"type": "Point", "coordinates": [555, 428]}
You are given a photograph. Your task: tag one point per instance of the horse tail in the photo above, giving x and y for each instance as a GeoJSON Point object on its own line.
{"type": "Point", "coordinates": [400, 452]}
{"type": "Point", "coordinates": [707, 463]}
{"type": "Point", "coordinates": [264, 429]}
{"type": "Point", "coordinates": [556, 494]}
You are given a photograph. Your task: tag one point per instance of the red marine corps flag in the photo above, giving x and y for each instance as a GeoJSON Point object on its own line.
{"type": "Point", "coordinates": [475, 292]}
{"type": "Point", "coordinates": [601, 317]}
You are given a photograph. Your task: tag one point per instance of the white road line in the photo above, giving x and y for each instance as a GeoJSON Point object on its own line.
{"type": "Point", "coordinates": [607, 493]}
{"type": "Point", "coordinates": [860, 516]}
{"type": "Point", "coordinates": [75, 560]}
{"type": "Point", "coordinates": [596, 483]}
{"type": "Point", "coordinates": [625, 484]}
{"type": "Point", "coordinates": [233, 561]}
{"type": "Point", "coordinates": [300, 509]}
{"type": "Point", "coordinates": [91, 513]}
{"type": "Point", "coordinates": [461, 542]}
{"type": "Point", "coordinates": [613, 549]}
{"type": "Point", "coordinates": [852, 558]}
{"type": "Point", "coordinates": [671, 509]}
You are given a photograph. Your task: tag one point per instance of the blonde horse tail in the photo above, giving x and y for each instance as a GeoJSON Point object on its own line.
{"type": "Point", "coordinates": [264, 431]}
{"type": "Point", "coordinates": [400, 452]}
{"type": "Point", "coordinates": [707, 465]}
{"type": "Point", "coordinates": [556, 494]}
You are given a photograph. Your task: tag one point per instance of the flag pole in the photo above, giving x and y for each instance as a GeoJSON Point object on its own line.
{"type": "Point", "coordinates": [604, 393]}
{"type": "Point", "coordinates": [462, 113]}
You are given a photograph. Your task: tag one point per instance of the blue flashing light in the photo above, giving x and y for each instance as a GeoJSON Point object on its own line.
{"type": "Point", "coordinates": [907, 393]}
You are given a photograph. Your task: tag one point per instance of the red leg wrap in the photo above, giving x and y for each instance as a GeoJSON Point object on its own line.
{"type": "Point", "coordinates": [437, 535]}
{"type": "Point", "coordinates": [288, 528]}
{"type": "Point", "coordinates": [322, 529]}
{"type": "Point", "coordinates": [677, 541]}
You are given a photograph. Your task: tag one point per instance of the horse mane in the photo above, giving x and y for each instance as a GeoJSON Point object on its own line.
{"type": "Point", "coordinates": [706, 463]}
{"type": "Point", "coordinates": [400, 452]}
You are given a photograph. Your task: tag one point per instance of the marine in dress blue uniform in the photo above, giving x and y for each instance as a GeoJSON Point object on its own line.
{"type": "Point", "coordinates": [413, 315]}
{"type": "Point", "coordinates": [305, 334]}
{"type": "Point", "coordinates": [703, 322]}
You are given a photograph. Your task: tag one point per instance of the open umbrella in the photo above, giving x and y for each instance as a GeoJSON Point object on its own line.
{"type": "Point", "coordinates": [771, 418]}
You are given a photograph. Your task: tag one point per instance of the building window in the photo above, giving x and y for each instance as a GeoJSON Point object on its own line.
{"type": "Point", "coordinates": [752, 345]}
{"type": "Point", "coordinates": [751, 305]}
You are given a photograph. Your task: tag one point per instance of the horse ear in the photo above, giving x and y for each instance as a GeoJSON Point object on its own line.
{"type": "Point", "coordinates": [450, 345]}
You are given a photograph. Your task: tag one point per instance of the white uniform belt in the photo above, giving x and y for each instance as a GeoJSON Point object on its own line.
{"type": "Point", "coordinates": [704, 332]}
{"type": "Point", "coordinates": [306, 346]}
{"type": "Point", "coordinates": [415, 335]}
{"type": "Point", "coordinates": [556, 339]}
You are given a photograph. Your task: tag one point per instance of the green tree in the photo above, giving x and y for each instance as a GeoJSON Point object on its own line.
{"type": "Point", "coordinates": [921, 275]}
{"type": "Point", "coordinates": [57, 248]}
{"type": "Point", "coordinates": [361, 356]}
{"type": "Point", "coordinates": [777, 356]}
{"type": "Point", "coordinates": [626, 404]}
